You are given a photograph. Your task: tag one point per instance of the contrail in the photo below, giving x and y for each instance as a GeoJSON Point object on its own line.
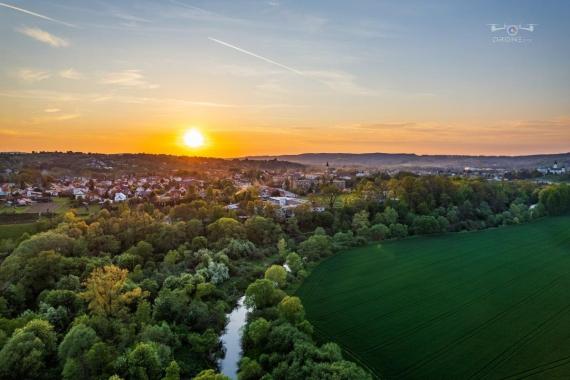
{"type": "Point", "coordinates": [36, 14]}
{"type": "Point", "coordinates": [259, 57]}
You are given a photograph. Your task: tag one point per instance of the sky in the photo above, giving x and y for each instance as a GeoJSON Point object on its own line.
{"type": "Point", "coordinates": [273, 77]}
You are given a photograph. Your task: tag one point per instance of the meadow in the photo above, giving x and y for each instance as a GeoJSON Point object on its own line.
{"type": "Point", "coordinates": [492, 304]}
{"type": "Point", "coordinates": [15, 230]}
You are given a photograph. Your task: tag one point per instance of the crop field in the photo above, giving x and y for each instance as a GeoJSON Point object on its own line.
{"type": "Point", "coordinates": [493, 304]}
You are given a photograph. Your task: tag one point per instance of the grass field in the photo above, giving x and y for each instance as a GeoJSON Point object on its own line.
{"type": "Point", "coordinates": [14, 231]}
{"type": "Point", "coordinates": [493, 304]}
{"type": "Point", "coordinates": [58, 205]}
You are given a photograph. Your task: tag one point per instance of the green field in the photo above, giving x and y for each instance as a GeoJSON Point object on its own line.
{"type": "Point", "coordinates": [14, 231]}
{"type": "Point", "coordinates": [493, 304]}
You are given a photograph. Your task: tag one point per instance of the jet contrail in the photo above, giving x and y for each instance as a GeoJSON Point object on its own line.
{"type": "Point", "coordinates": [259, 57]}
{"type": "Point", "coordinates": [36, 14]}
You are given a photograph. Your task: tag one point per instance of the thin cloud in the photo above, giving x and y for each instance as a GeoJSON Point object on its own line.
{"type": "Point", "coordinates": [340, 81]}
{"type": "Point", "coordinates": [36, 14]}
{"type": "Point", "coordinates": [129, 20]}
{"type": "Point", "coordinates": [51, 110]}
{"type": "Point", "coordinates": [289, 68]}
{"type": "Point", "coordinates": [201, 14]}
{"type": "Point", "coordinates": [45, 37]}
{"type": "Point", "coordinates": [30, 75]}
{"type": "Point", "coordinates": [335, 80]}
{"type": "Point", "coordinates": [128, 78]}
{"type": "Point", "coordinates": [70, 74]}
{"type": "Point", "coordinates": [54, 118]}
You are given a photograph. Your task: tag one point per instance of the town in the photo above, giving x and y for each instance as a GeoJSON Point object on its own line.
{"type": "Point", "coordinates": [284, 188]}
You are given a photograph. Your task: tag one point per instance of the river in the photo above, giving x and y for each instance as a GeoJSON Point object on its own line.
{"type": "Point", "coordinates": [231, 340]}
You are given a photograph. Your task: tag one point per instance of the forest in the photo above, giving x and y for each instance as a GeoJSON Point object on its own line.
{"type": "Point", "coordinates": [139, 291]}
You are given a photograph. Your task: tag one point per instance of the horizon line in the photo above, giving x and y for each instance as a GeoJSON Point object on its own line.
{"type": "Point", "coordinates": [274, 156]}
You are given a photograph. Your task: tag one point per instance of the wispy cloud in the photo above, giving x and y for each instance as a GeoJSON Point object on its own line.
{"type": "Point", "coordinates": [30, 75]}
{"type": "Point", "coordinates": [82, 98]}
{"type": "Point", "coordinates": [336, 80]}
{"type": "Point", "coordinates": [200, 14]}
{"type": "Point", "coordinates": [70, 74]}
{"type": "Point", "coordinates": [51, 96]}
{"type": "Point", "coordinates": [245, 71]}
{"type": "Point", "coordinates": [18, 9]}
{"type": "Point", "coordinates": [43, 36]}
{"type": "Point", "coordinates": [129, 20]}
{"type": "Point", "coordinates": [289, 68]}
{"type": "Point", "coordinates": [51, 110]}
{"type": "Point", "coordinates": [10, 133]}
{"type": "Point", "coordinates": [128, 78]}
{"type": "Point", "coordinates": [340, 81]}
{"type": "Point", "coordinates": [54, 118]}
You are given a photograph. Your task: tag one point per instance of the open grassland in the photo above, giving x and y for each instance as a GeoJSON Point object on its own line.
{"type": "Point", "coordinates": [493, 304]}
{"type": "Point", "coordinates": [14, 231]}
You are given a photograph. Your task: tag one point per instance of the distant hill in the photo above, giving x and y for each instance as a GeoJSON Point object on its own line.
{"type": "Point", "coordinates": [409, 160]}
{"type": "Point", "coordinates": [93, 164]}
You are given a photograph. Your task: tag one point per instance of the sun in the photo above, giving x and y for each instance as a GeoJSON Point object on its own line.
{"type": "Point", "coordinates": [193, 138]}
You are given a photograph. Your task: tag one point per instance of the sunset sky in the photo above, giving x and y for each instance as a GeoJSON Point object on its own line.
{"type": "Point", "coordinates": [281, 77]}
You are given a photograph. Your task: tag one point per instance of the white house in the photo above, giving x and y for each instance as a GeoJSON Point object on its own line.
{"type": "Point", "coordinates": [555, 169]}
{"type": "Point", "coordinates": [79, 193]}
{"type": "Point", "coordinates": [120, 197]}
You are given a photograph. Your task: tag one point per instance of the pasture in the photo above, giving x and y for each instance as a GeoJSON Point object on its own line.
{"type": "Point", "coordinates": [493, 304]}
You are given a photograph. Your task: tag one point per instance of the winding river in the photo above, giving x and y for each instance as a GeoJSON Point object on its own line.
{"type": "Point", "coordinates": [231, 340]}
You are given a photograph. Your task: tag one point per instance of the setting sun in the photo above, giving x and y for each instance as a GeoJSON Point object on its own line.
{"type": "Point", "coordinates": [193, 139]}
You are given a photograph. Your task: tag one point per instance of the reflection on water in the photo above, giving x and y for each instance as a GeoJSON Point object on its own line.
{"type": "Point", "coordinates": [231, 340]}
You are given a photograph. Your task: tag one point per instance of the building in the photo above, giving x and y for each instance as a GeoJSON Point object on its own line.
{"type": "Point", "coordinates": [79, 193]}
{"type": "Point", "coordinates": [120, 197]}
{"type": "Point", "coordinates": [339, 183]}
{"type": "Point", "coordinates": [556, 169]}
{"type": "Point", "coordinates": [304, 184]}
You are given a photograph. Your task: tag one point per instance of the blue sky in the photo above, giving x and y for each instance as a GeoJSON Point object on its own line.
{"type": "Point", "coordinates": [412, 76]}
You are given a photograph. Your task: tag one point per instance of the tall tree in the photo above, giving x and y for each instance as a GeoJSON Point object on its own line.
{"type": "Point", "coordinates": [106, 293]}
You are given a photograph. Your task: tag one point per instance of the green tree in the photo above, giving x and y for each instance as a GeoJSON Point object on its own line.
{"type": "Point", "coordinates": [294, 262]}
{"type": "Point", "coordinates": [172, 371]}
{"type": "Point", "coordinates": [291, 309]}
{"type": "Point", "coordinates": [277, 274]}
{"type": "Point", "coordinates": [210, 374]}
{"type": "Point", "coordinates": [144, 362]}
{"type": "Point", "coordinates": [315, 247]}
{"type": "Point", "coordinates": [105, 291]}
{"type": "Point", "coordinates": [331, 193]}
{"type": "Point", "coordinates": [249, 369]}
{"type": "Point", "coordinates": [29, 352]}
{"type": "Point", "coordinates": [282, 248]}
{"type": "Point", "coordinates": [398, 230]}
{"type": "Point", "coordinates": [424, 224]}
{"type": "Point", "coordinates": [262, 293]}
{"type": "Point", "coordinates": [76, 342]}
{"type": "Point", "coordinates": [360, 221]}
{"type": "Point", "coordinates": [225, 228]}
{"type": "Point", "coordinates": [379, 231]}
{"type": "Point", "coordinates": [387, 217]}
{"type": "Point", "coordinates": [263, 232]}
{"type": "Point", "coordinates": [257, 330]}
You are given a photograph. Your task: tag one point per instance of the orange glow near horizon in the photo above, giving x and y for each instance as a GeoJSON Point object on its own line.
{"type": "Point", "coordinates": [269, 78]}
